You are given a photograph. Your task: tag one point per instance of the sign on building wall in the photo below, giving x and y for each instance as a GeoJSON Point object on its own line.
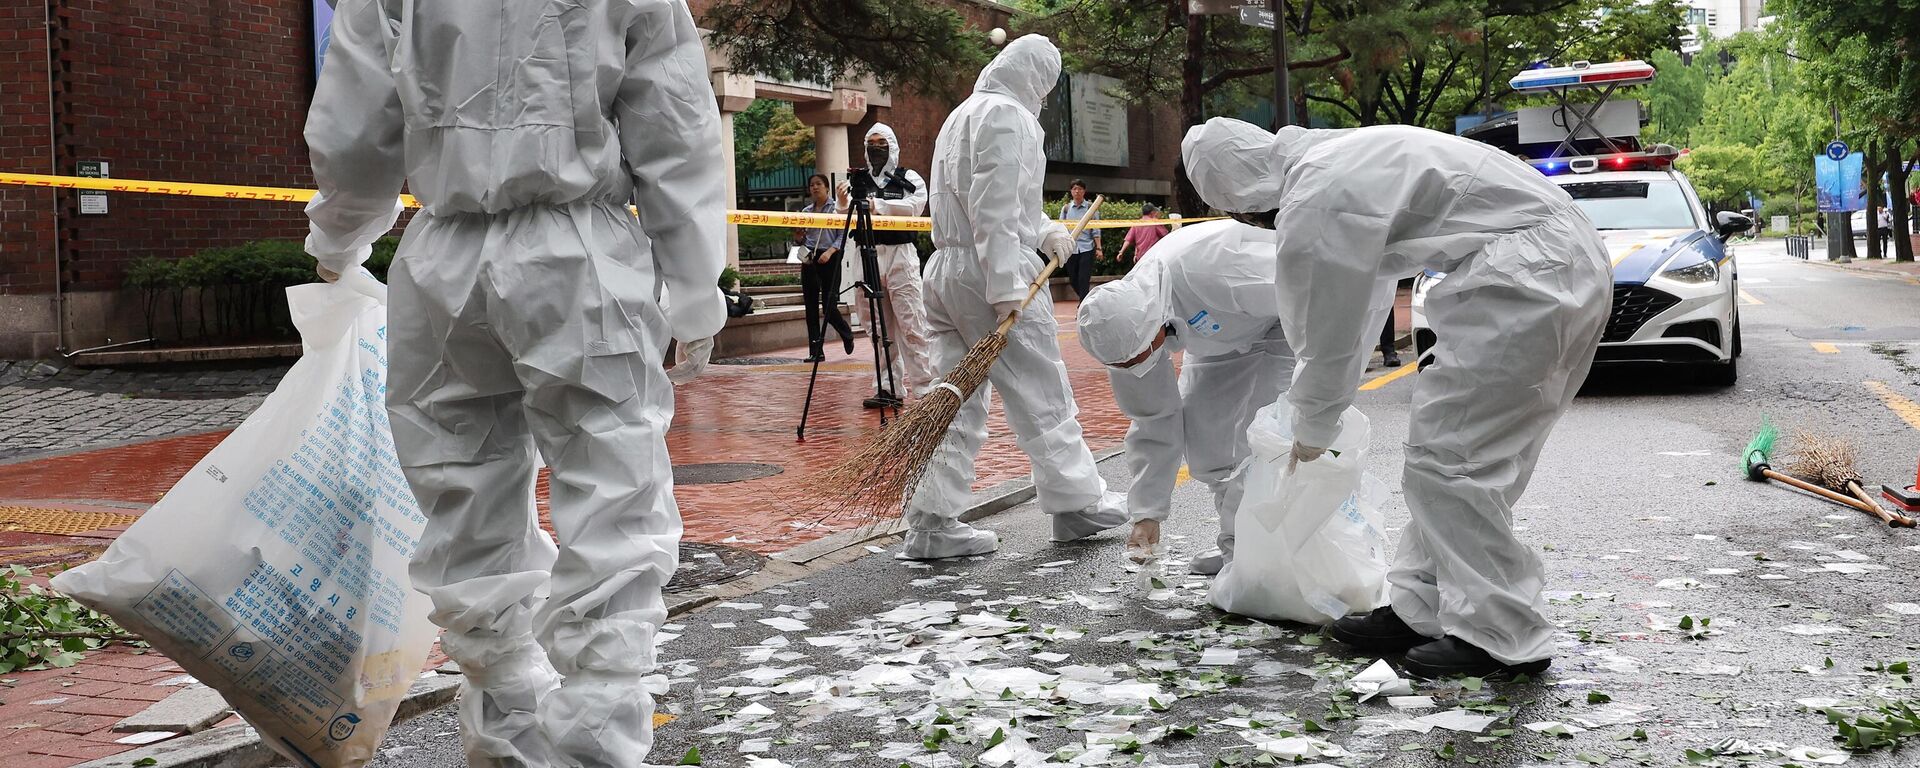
{"type": "Point", "coordinates": [322, 32]}
{"type": "Point", "coordinates": [1099, 121]}
{"type": "Point", "coordinates": [1084, 122]}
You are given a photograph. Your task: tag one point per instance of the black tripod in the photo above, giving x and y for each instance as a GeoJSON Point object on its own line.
{"type": "Point", "coordinates": [859, 224]}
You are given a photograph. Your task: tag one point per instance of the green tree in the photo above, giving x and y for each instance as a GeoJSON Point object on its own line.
{"type": "Point", "coordinates": [1867, 60]}
{"type": "Point", "coordinates": [902, 44]}
{"type": "Point", "coordinates": [1160, 52]}
{"type": "Point", "coordinates": [1674, 98]}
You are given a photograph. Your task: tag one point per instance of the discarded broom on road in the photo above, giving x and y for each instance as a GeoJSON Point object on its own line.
{"type": "Point", "coordinates": [1830, 462]}
{"type": "Point", "coordinates": [883, 475]}
{"type": "Point", "coordinates": [1758, 463]}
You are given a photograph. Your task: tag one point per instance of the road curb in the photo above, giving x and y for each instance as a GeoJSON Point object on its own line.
{"type": "Point", "coordinates": [240, 746]}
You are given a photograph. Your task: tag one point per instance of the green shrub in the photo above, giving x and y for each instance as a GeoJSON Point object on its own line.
{"type": "Point", "coordinates": [729, 277]}
{"type": "Point", "coordinates": [761, 281]}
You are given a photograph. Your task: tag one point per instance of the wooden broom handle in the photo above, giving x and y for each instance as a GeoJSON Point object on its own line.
{"type": "Point", "coordinates": [1890, 518]}
{"type": "Point", "coordinates": [1817, 490]}
{"type": "Point", "coordinates": [1052, 264]}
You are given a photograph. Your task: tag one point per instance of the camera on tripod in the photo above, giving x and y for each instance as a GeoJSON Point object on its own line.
{"type": "Point", "coordinates": [861, 184]}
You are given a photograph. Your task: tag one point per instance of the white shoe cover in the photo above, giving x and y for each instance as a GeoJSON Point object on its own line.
{"type": "Point", "coordinates": [956, 540]}
{"type": "Point", "coordinates": [1109, 512]}
{"type": "Point", "coordinates": [499, 707]}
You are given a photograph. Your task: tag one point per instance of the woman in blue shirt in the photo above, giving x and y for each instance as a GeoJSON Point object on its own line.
{"type": "Point", "coordinates": [820, 274]}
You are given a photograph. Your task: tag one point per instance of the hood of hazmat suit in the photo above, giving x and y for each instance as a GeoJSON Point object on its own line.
{"type": "Point", "coordinates": [1119, 320]}
{"type": "Point", "coordinates": [527, 313]}
{"type": "Point", "coordinates": [1519, 315]}
{"type": "Point", "coordinates": [893, 149]}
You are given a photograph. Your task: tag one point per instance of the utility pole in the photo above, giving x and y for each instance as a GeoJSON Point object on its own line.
{"type": "Point", "coordinates": [1282, 87]}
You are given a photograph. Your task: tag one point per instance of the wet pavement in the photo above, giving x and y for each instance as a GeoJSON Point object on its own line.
{"type": "Point", "coordinates": [1641, 515]}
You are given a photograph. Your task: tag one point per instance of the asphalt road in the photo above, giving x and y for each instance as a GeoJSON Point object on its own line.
{"type": "Point", "coordinates": [1639, 509]}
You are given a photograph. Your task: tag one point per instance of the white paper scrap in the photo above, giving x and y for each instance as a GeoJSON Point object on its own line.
{"type": "Point", "coordinates": [785, 624]}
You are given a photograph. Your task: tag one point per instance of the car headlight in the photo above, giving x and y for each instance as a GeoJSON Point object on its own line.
{"type": "Point", "coordinates": [1422, 283]}
{"type": "Point", "coordinates": [1691, 266]}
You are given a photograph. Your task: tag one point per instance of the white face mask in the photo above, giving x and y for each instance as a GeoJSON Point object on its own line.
{"type": "Point", "coordinates": [1141, 369]}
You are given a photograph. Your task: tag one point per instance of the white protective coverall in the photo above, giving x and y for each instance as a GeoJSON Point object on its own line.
{"type": "Point", "coordinates": [1518, 318]}
{"type": "Point", "coordinates": [988, 163]}
{"type": "Point", "coordinates": [1212, 284]}
{"type": "Point", "coordinates": [900, 272]}
{"type": "Point", "coordinates": [525, 314]}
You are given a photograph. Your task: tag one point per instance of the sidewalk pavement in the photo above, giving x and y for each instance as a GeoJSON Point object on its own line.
{"type": "Point", "coordinates": [62, 509]}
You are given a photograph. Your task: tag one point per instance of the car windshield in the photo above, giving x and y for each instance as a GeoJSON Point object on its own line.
{"type": "Point", "coordinates": [1633, 204]}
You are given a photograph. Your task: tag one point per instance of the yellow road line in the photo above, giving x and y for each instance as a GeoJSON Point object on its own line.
{"type": "Point", "coordinates": [1183, 477]}
{"type": "Point", "coordinates": [1825, 348]}
{"type": "Point", "coordinates": [1389, 378]}
{"type": "Point", "coordinates": [1907, 410]}
{"type": "Point", "coordinates": [1748, 298]}
{"type": "Point", "coordinates": [1629, 252]}
{"type": "Point", "coordinates": [661, 718]}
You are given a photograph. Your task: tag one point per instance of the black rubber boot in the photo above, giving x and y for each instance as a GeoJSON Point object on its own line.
{"type": "Point", "coordinates": [1381, 631]}
{"type": "Point", "coordinates": [1452, 657]}
{"type": "Point", "coordinates": [881, 399]}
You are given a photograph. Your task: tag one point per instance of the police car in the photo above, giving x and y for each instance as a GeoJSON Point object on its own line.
{"type": "Point", "coordinates": [1675, 289]}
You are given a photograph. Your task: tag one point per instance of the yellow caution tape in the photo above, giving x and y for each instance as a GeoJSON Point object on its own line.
{"type": "Point", "coordinates": [793, 220]}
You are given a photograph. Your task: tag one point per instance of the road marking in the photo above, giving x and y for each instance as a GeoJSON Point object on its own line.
{"type": "Point", "coordinates": [1629, 252]}
{"type": "Point", "coordinates": [661, 718]}
{"type": "Point", "coordinates": [1183, 477]}
{"type": "Point", "coordinates": [1389, 378]}
{"type": "Point", "coordinates": [1825, 348]}
{"type": "Point", "coordinates": [1907, 410]}
{"type": "Point", "coordinates": [1748, 298]}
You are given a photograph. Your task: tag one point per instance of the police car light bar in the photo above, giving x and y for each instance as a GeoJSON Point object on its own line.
{"type": "Point", "coordinates": [1583, 74]}
{"type": "Point", "coordinates": [1658, 157]}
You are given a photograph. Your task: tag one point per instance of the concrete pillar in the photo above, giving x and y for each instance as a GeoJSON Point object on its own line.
{"type": "Point", "coordinates": [735, 94]}
{"type": "Point", "coordinates": [830, 118]}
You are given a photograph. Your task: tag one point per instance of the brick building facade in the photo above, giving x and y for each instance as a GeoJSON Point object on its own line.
{"type": "Point", "coordinates": [217, 91]}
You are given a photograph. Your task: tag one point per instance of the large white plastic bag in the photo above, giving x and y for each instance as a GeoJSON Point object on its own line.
{"type": "Point", "coordinates": [276, 570]}
{"type": "Point", "coordinates": [1308, 544]}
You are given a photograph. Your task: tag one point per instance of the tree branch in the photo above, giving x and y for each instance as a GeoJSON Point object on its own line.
{"type": "Point", "coordinates": [1344, 107]}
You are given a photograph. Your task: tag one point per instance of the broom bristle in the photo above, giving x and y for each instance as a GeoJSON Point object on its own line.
{"type": "Point", "coordinates": [1824, 459]}
{"type": "Point", "coordinates": [1760, 448]}
{"type": "Point", "coordinates": [881, 477]}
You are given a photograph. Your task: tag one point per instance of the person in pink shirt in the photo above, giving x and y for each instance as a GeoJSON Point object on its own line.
{"type": "Point", "coordinates": [1142, 238]}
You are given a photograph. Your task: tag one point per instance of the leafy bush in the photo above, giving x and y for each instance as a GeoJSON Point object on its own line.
{"type": "Point", "coordinates": [729, 277]}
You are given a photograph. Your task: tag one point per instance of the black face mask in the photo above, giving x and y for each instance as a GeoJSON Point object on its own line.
{"type": "Point", "coordinates": [1263, 220]}
{"type": "Point", "coordinates": [876, 158]}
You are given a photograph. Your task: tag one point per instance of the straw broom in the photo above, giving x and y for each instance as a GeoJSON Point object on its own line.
{"type": "Point", "coordinates": [884, 474]}
{"type": "Point", "coordinates": [1831, 462]}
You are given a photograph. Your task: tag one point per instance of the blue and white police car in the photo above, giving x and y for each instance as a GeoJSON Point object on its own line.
{"type": "Point", "coordinates": [1675, 285]}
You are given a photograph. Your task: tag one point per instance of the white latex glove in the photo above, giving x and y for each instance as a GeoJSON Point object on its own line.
{"type": "Point", "coordinates": [326, 274]}
{"type": "Point", "coordinates": [1143, 541]}
{"type": "Point", "coordinates": [1303, 453]}
{"type": "Point", "coordinates": [1055, 244]}
{"type": "Point", "coordinates": [698, 353]}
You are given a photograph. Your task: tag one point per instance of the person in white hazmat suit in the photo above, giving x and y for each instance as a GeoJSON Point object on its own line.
{"type": "Point", "coordinates": [1518, 318]}
{"type": "Point", "coordinates": [1208, 290]}
{"type": "Point", "coordinates": [988, 164]}
{"type": "Point", "coordinates": [525, 314]}
{"type": "Point", "coordinates": [902, 193]}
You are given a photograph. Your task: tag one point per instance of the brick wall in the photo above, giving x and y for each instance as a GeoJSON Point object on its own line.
{"type": "Point", "coordinates": [191, 90]}
{"type": "Point", "coordinates": [26, 214]}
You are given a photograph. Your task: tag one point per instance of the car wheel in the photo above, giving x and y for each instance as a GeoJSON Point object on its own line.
{"type": "Point", "coordinates": [1721, 374]}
